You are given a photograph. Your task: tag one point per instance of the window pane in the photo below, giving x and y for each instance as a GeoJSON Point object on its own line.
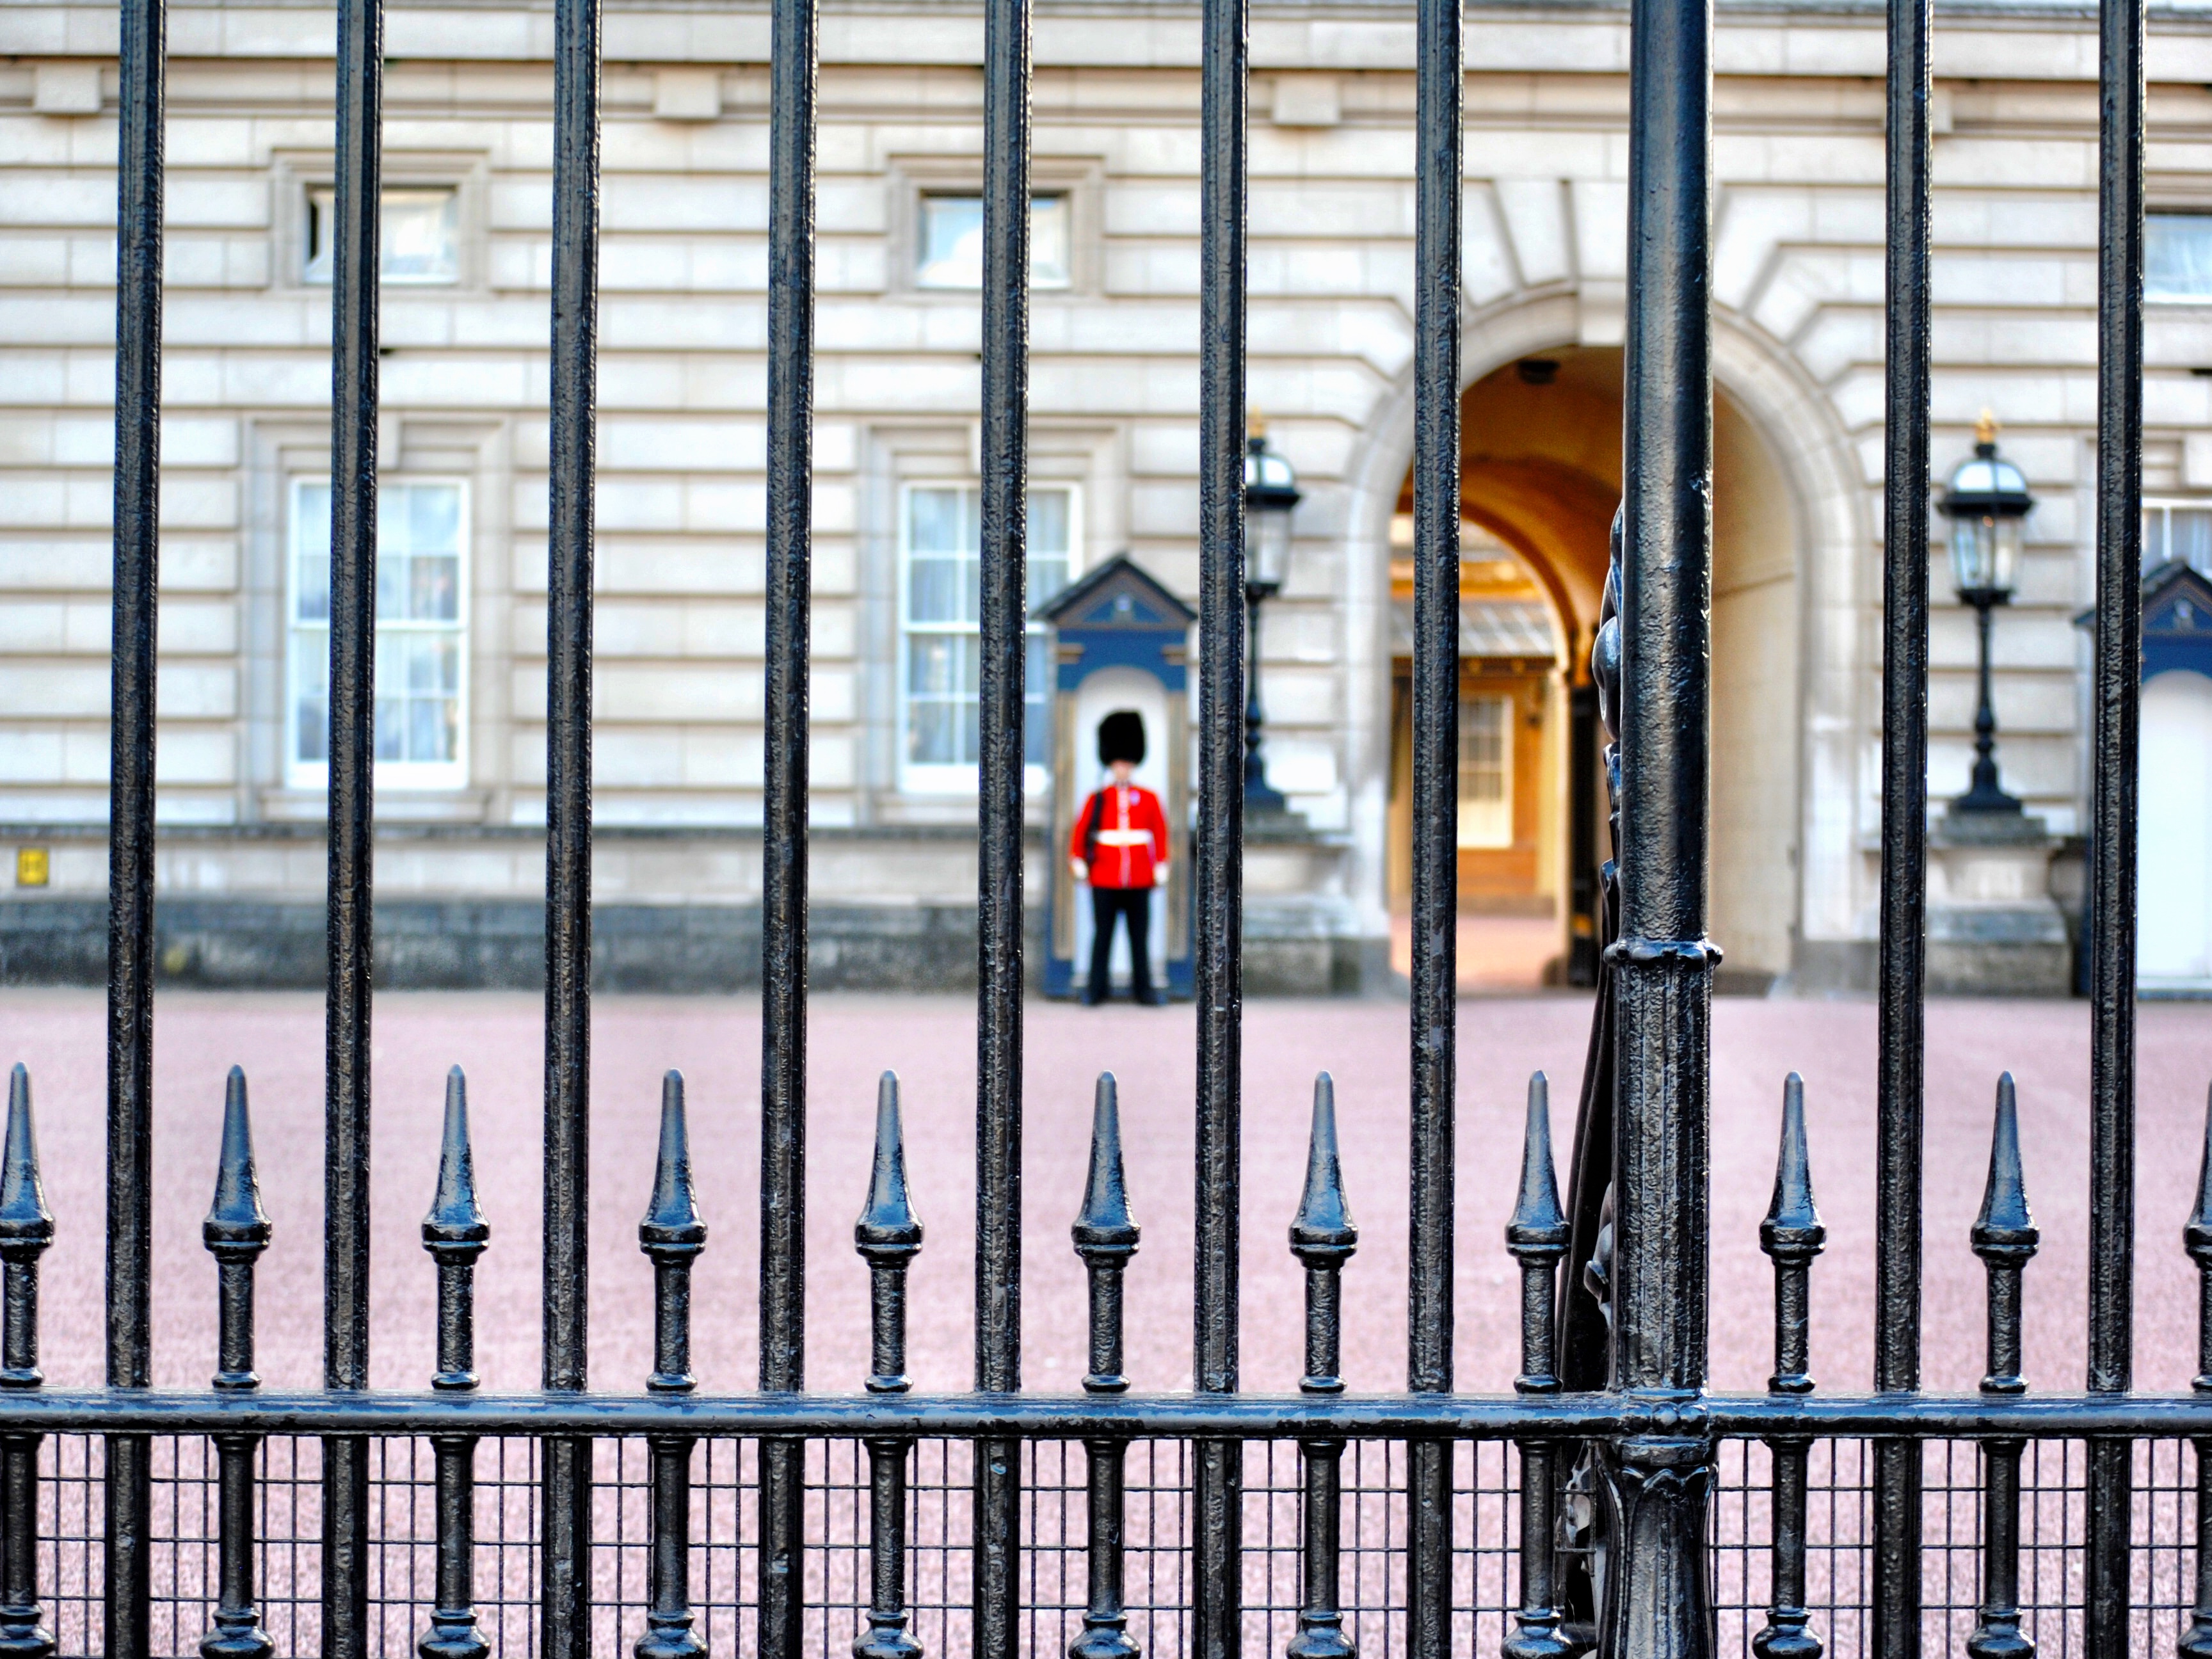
{"type": "Point", "coordinates": [937, 589]}
{"type": "Point", "coordinates": [434, 517]}
{"type": "Point", "coordinates": [311, 536]}
{"type": "Point", "coordinates": [934, 521]}
{"type": "Point", "coordinates": [950, 250]}
{"type": "Point", "coordinates": [2177, 256]}
{"type": "Point", "coordinates": [419, 647]}
{"type": "Point", "coordinates": [1481, 749]}
{"type": "Point", "coordinates": [1486, 772]}
{"type": "Point", "coordinates": [1037, 703]}
{"type": "Point", "coordinates": [1049, 548]}
{"type": "Point", "coordinates": [418, 235]}
{"type": "Point", "coordinates": [311, 708]}
{"type": "Point", "coordinates": [2189, 536]}
{"type": "Point", "coordinates": [321, 205]}
{"type": "Point", "coordinates": [1049, 263]}
{"type": "Point", "coordinates": [952, 242]}
{"type": "Point", "coordinates": [934, 662]}
{"type": "Point", "coordinates": [2153, 545]}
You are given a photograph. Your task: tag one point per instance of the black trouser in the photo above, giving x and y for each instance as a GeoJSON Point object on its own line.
{"type": "Point", "coordinates": [1136, 904]}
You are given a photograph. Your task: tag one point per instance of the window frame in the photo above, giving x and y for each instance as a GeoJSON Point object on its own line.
{"type": "Point", "coordinates": [952, 778]}
{"type": "Point", "coordinates": [927, 194]}
{"type": "Point", "coordinates": [308, 276]}
{"type": "Point", "coordinates": [2156, 296]}
{"type": "Point", "coordinates": [2169, 505]}
{"type": "Point", "coordinates": [403, 776]}
{"type": "Point", "coordinates": [1469, 840]}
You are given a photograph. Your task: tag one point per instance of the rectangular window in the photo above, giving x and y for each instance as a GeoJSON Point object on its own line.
{"type": "Point", "coordinates": [950, 252]}
{"type": "Point", "coordinates": [422, 636]}
{"type": "Point", "coordinates": [2178, 530]}
{"type": "Point", "coordinates": [1486, 772]}
{"type": "Point", "coordinates": [940, 600]}
{"type": "Point", "coordinates": [2177, 256]}
{"type": "Point", "coordinates": [418, 235]}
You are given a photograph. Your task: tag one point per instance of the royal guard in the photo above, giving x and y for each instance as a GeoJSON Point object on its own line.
{"type": "Point", "coordinates": [1121, 848]}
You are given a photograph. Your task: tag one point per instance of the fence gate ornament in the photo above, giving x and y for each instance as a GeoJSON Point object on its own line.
{"type": "Point", "coordinates": [1619, 1445]}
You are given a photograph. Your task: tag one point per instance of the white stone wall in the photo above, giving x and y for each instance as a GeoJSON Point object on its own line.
{"type": "Point", "coordinates": [1798, 279]}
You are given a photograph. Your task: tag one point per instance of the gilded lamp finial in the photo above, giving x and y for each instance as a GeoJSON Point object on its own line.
{"type": "Point", "coordinates": [1985, 428]}
{"type": "Point", "coordinates": [1255, 423]}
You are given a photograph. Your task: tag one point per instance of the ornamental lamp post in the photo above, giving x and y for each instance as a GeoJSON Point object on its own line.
{"type": "Point", "coordinates": [1270, 497]}
{"type": "Point", "coordinates": [1987, 503]}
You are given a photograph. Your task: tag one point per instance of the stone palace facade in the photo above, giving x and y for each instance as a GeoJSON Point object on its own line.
{"type": "Point", "coordinates": [1798, 285]}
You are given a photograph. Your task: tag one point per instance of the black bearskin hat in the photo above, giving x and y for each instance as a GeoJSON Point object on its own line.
{"type": "Point", "coordinates": [1122, 738]}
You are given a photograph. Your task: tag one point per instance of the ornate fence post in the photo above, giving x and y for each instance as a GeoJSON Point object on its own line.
{"type": "Point", "coordinates": [1791, 1236]}
{"type": "Point", "coordinates": [455, 1234]}
{"type": "Point", "coordinates": [236, 1231]}
{"type": "Point", "coordinates": [2005, 1237]}
{"type": "Point", "coordinates": [1537, 1236]}
{"type": "Point", "coordinates": [1105, 1237]}
{"type": "Point", "coordinates": [25, 1229]}
{"type": "Point", "coordinates": [672, 1235]}
{"type": "Point", "coordinates": [887, 1236]}
{"type": "Point", "coordinates": [1323, 1237]}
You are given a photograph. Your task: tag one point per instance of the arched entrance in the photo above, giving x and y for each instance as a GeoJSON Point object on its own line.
{"type": "Point", "coordinates": [1540, 477]}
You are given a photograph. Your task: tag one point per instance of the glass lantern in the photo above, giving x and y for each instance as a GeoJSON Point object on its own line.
{"type": "Point", "coordinates": [1987, 503]}
{"type": "Point", "coordinates": [1271, 495]}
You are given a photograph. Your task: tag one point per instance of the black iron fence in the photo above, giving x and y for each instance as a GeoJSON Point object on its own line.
{"type": "Point", "coordinates": [1610, 1501]}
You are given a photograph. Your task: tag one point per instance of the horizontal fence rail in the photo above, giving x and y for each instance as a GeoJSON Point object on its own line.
{"type": "Point", "coordinates": [1611, 1502]}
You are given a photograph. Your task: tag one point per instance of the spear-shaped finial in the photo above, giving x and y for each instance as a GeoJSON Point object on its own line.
{"type": "Point", "coordinates": [456, 1224]}
{"type": "Point", "coordinates": [1105, 1222]}
{"type": "Point", "coordinates": [888, 1229]}
{"type": "Point", "coordinates": [2004, 1229]}
{"type": "Point", "coordinates": [672, 1220]}
{"type": "Point", "coordinates": [27, 1227]}
{"type": "Point", "coordinates": [236, 1225]}
{"type": "Point", "coordinates": [1323, 1227]}
{"type": "Point", "coordinates": [1538, 1226]}
{"type": "Point", "coordinates": [1792, 1231]}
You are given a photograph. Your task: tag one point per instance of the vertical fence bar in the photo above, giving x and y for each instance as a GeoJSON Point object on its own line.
{"type": "Point", "coordinates": [1323, 1237]}
{"type": "Point", "coordinates": [25, 1229]}
{"type": "Point", "coordinates": [1105, 1235]}
{"type": "Point", "coordinates": [672, 1235]}
{"type": "Point", "coordinates": [1003, 616]}
{"type": "Point", "coordinates": [142, 68]}
{"type": "Point", "coordinates": [455, 1233]}
{"type": "Point", "coordinates": [2112, 896]}
{"type": "Point", "coordinates": [2196, 1238]}
{"type": "Point", "coordinates": [2004, 1237]}
{"type": "Point", "coordinates": [887, 1236]}
{"type": "Point", "coordinates": [1657, 1591]}
{"type": "Point", "coordinates": [350, 911]}
{"type": "Point", "coordinates": [1218, 884]}
{"type": "Point", "coordinates": [1791, 1236]}
{"type": "Point", "coordinates": [1435, 1005]}
{"type": "Point", "coordinates": [1537, 1237]}
{"type": "Point", "coordinates": [784, 798]}
{"type": "Point", "coordinates": [567, 1566]}
{"type": "Point", "coordinates": [1900, 983]}
{"type": "Point", "coordinates": [235, 1232]}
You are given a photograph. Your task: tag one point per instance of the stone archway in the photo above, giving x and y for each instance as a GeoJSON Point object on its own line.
{"type": "Point", "coordinates": [1540, 474]}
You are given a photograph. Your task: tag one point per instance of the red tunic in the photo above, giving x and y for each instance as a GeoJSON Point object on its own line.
{"type": "Point", "coordinates": [1131, 838]}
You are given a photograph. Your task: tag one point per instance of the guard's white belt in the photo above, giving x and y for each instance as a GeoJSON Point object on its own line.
{"type": "Point", "coordinates": [1125, 838]}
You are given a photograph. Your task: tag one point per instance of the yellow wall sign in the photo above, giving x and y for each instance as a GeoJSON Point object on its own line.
{"type": "Point", "coordinates": [31, 866]}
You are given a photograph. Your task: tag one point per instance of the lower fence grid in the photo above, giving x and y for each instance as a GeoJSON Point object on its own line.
{"type": "Point", "coordinates": [724, 1519]}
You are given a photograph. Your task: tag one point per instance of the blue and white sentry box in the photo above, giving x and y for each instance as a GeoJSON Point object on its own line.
{"type": "Point", "coordinates": [1119, 641]}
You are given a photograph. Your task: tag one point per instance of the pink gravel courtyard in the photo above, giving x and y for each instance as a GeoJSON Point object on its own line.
{"type": "Point", "coordinates": [929, 1041]}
